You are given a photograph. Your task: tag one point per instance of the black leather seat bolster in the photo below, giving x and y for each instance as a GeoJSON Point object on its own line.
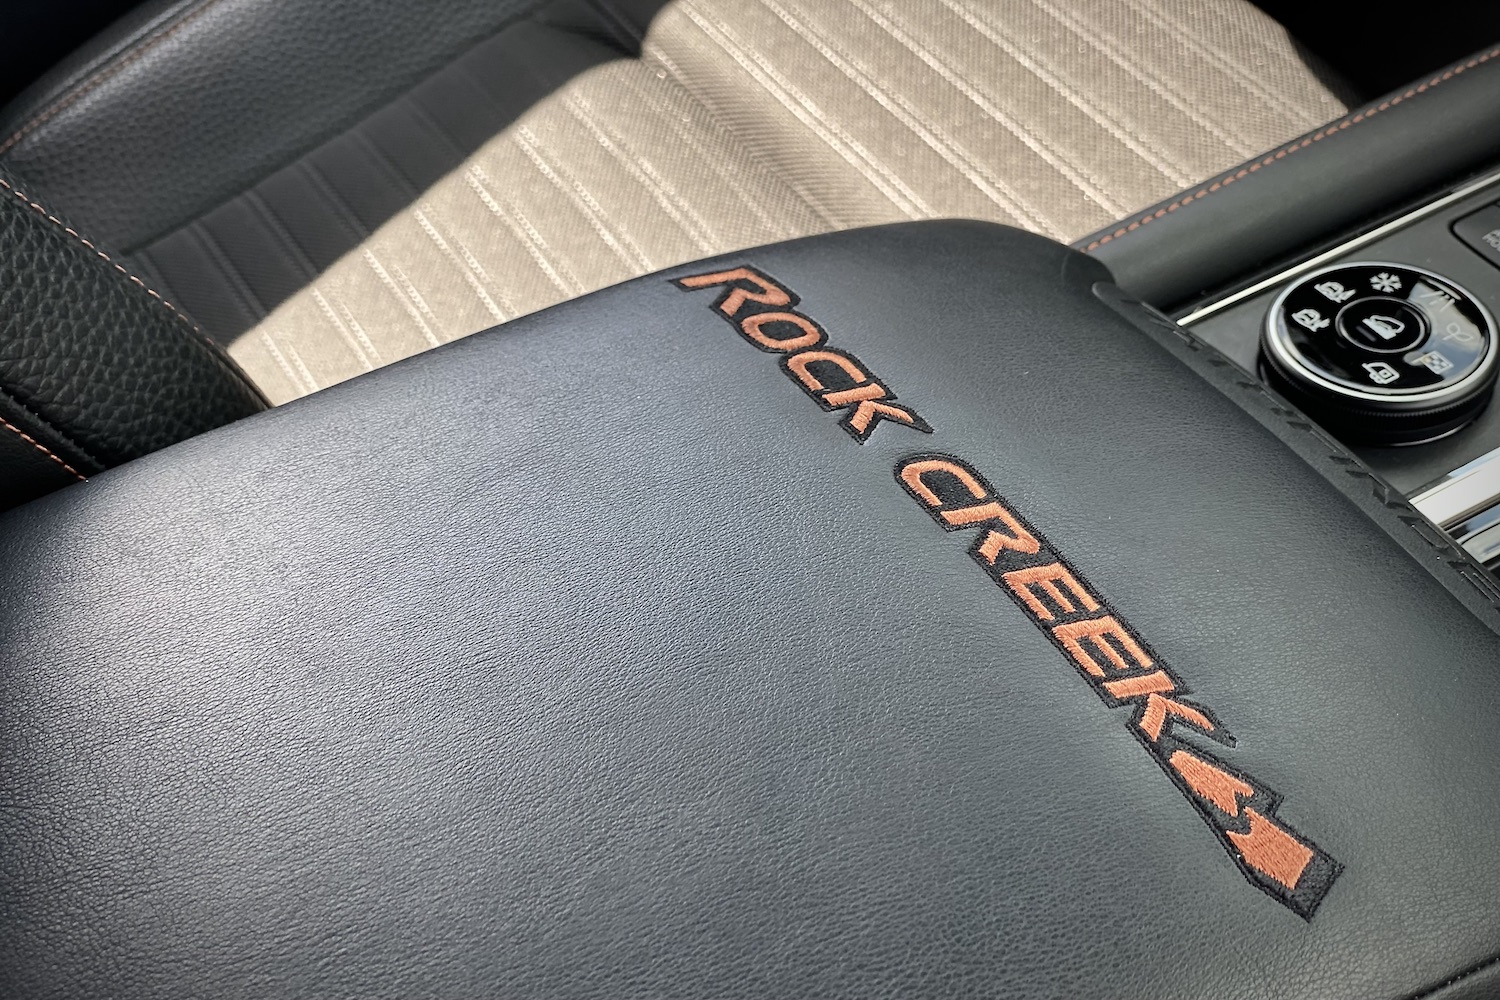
{"type": "Point", "coordinates": [613, 653]}
{"type": "Point", "coordinates": [96, 367]}
{"type": "Point", "coordinates": [1328, 183]}
{"type": "Point", "coordinates": [185, 104]}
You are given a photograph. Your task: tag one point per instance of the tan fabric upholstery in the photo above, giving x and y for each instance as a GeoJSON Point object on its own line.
{"type": "Point", "coordinates": [748, 121]}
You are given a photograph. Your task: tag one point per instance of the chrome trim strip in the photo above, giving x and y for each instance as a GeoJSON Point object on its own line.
{"type": "Point", "coordinates": [1484, 545]}
{"type": "Point", "coordinates": [1330, 255]}
{"type": "Point", "coordinates": [1466, 491]}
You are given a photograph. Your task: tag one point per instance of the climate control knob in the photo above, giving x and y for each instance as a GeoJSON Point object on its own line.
{"type": "Point", "coordinates": [1381, 353]}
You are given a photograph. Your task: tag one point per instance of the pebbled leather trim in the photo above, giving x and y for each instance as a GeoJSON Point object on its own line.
{"type": "Point", "coordinates": [217, 356]}
{"type": "Point", "coordinates": [1096, 240]}
{"type": "Point", "coordinates": [187, 104]}
{"type": "Point", "coordinates": [99, 368]}
{"type": "Point", "coordinates": [42, 211]}
{"type": "Point", "coordinates": [120, 61]}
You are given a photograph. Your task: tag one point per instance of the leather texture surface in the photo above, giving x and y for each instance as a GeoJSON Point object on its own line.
{"type": "Point", "coordinates": [1482, 983]}
{"type": "Point", "coordinates": [189, 103]}
{"type": "Point", "coordinates": [590, 142]}
{"type": "Point", "coordinates": [607, 664]}
{"type": "Point", "coordinates": [95, 368]}
{"type": "Point", "coordinates": [1326, 184]}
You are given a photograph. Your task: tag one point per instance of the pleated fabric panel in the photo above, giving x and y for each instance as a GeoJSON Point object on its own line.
{"type": "Point", "coordinates": [545, 164]}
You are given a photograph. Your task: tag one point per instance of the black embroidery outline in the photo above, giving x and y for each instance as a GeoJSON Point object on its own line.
{"type": "Point", "coordinates": [751, 309]}
{"type": "Point", "coordinates": [1321, 871]}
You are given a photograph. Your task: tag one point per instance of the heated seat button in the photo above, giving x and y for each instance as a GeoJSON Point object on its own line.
{"type": "Point", "coordinates": [1481, 231]}
{"type": "Point", "coordinates": [1383, 325]}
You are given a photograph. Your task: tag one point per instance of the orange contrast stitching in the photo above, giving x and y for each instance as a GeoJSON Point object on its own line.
{"type": "Point", "coordinates": [99, 78]}
{"type": "Point", "coordinates": [102, 255]}
{"type": "Point", "coordinates": [1282, 153]}
{"type": "Point", "coordinates": [41, 448]}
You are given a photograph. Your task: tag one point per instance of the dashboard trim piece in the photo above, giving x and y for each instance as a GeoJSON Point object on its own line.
{"type": "Point", "coordinates": [1483, 545]}
{"type": "Point", "coordinates": [1464, 492]}
{"type": "Point", "coordinates": [1328, 256]}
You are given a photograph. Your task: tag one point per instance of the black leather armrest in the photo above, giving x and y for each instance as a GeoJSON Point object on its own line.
{"type": "Point", "coordinates": [899, 611]}
{"type": "Point", "coordinates": [1329, 182]}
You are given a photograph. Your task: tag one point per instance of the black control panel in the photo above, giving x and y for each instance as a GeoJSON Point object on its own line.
{"type": "Point", "coordinates": [1430, 241]}
{"type": "Point", "coordinates": [1383, 353]}
{"type": "Point", "coordinates": [1481, 231]}
{"type": "Point", "coordinates": [1388, 342]}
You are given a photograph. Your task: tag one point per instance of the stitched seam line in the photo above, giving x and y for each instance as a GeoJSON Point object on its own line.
{"type": "Point", "coordinates": [1283, 152]}
{"type": "Point", "coordinates": [1474, 971]}
{"type": "Point", "coordinates": [220, 359]}
{"type": "Point", "coordinates": [41, 448]}
{"type": "Point", "coordinates": [104, 257]}
{"type": "Point", "coordinates": [28, 416]}
{"type": "Point", "coordinates": [100, 77]}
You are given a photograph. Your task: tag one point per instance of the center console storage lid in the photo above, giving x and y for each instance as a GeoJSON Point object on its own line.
{"type": "Point", "coordinates": [899, 611]}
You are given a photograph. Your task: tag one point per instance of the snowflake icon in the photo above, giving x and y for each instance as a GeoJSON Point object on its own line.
{"type": "Point", "coordinates": [1385, 282]}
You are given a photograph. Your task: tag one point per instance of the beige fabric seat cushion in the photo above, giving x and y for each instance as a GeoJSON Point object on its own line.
{"type": "Point", "coordinates": [749, 121]}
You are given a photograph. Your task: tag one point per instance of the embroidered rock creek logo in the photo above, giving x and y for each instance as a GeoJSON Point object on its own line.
{"type": "Point", "coordinates": [1111, 657]}
{"type": "Point", "coordinates": [834, 379]}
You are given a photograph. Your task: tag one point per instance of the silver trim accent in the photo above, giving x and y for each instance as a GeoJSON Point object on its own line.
{"type": "Point", "coordinates": [1279, 342]}
{"type": "Point", "coordinates": [1465, 492]}
{"type": "Point", "coordinates": [1297, 270]}
{"type": "Point", "coordinates": [1483, 545]}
